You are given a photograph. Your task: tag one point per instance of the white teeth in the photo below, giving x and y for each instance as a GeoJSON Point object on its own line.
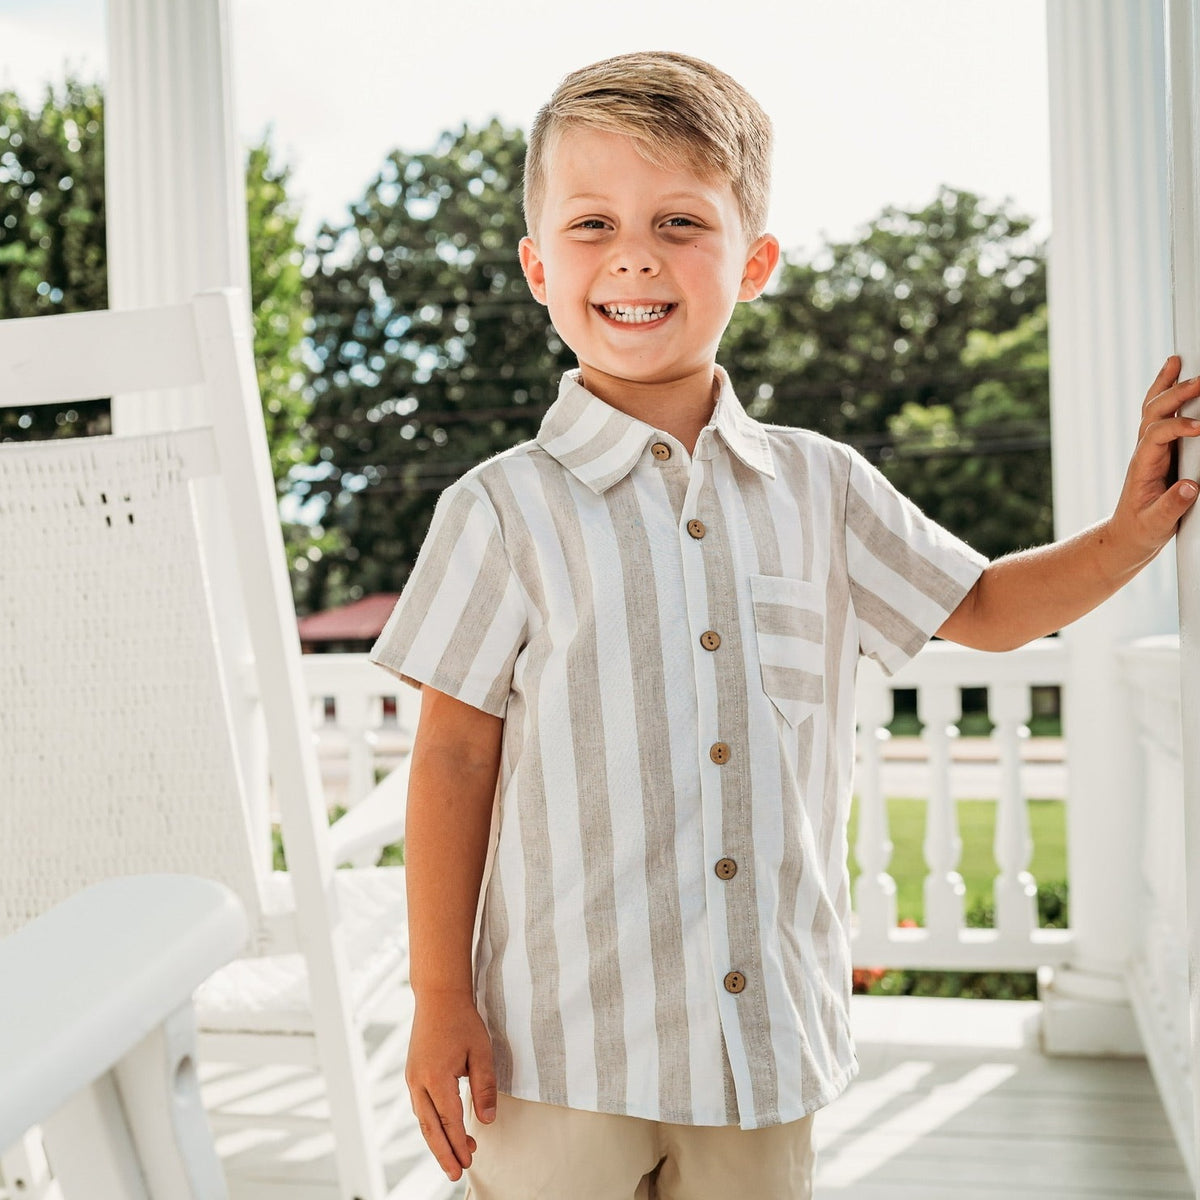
{"type": "Point", "coordinates": [635, 313]}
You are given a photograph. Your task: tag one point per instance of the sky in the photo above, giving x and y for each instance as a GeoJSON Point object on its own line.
{"type": "Point", "coordinates": [875, 102]}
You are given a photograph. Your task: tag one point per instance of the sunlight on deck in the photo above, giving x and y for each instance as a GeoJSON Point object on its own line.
{"type": "Point", "coordinates": [954, 1100]}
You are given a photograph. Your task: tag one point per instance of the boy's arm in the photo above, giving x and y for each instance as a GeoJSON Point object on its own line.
{"type": "Point", "coordinates": [452, 785]}
{"type": "Point", "coordinates": [1036, 592]}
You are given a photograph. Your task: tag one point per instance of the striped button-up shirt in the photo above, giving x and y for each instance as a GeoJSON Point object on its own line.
{"type": "Point", "coordinates": [671, 639]}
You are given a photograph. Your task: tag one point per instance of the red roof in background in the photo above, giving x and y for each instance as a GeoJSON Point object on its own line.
{"type": "Point", "coordinates": [360, 621]}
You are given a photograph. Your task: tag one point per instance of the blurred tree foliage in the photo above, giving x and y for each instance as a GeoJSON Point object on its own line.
{"type": "Point", "coordinates": [979, 463]}
{"type": "Point", "coordinates": [53, 258]}
{"type": "Point", "coordinates": [52, 255]}
{"type": "Point", "coordinates": [923, 343]}
{"type": "Point", "coordinates": [432, 355]}
{"type": "Point", "coordinates": [281, 306]}
{"type": "Point", "coordinates": [862, 328]}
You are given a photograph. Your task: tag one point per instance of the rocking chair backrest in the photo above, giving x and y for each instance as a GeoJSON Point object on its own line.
{"type": "Point", "coordinates": [116, 755]}
{"type": "Point", "coordinates": [105, 620]}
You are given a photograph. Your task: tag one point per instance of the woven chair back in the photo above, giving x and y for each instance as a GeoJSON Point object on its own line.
{"type": "Point", "coordinates": [116, 755]}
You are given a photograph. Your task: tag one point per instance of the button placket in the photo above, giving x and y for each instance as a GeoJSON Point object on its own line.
{"type": "Point", "coordinates": [720, 753]}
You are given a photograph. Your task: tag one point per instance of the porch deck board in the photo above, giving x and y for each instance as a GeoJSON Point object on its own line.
{"type": "Point", "coordinates": [954, 1099]}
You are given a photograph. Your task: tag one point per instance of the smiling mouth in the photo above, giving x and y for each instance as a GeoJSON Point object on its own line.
{"type": "Point", "coordinates": [635, 314]}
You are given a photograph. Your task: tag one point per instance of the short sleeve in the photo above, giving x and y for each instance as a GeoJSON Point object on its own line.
{"type": "Point", "coordinates": [907, 573]}
{"type": "Point", "coordinates": [461, 620]}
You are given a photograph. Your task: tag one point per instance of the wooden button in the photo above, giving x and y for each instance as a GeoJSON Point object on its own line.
{"type": "Point", "coordinates": [661, 451]}
{"type": "Point", "coordinates": [735, 982]}
{"type": "Point", "coordinates": [710, 639]}
{"type": "Point", "coordinates": [719, 752]}
{"type": "Point", "coordinates": [726, 868]}
{"type": "Point", "coordinates": [696, 529]}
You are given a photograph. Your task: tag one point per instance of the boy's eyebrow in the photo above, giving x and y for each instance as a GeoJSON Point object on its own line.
{"type": "Point", "coordinates": [670, 196]}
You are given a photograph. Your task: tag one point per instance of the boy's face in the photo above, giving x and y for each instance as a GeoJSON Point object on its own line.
{"type": "Point", "coordinates": [616, 235]}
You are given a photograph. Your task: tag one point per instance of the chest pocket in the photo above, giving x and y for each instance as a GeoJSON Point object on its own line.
{"type": "Point", "coordinates": [789, 620]}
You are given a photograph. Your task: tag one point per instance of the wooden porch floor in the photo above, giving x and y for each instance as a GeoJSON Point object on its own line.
{"type": "Point", "coordinates": [954, 1100]}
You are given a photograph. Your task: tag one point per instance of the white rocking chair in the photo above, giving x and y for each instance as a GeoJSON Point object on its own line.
{"type": "Point", "coordinates": [118, 730]}
{"type": "Point", "coordinates": [97, 1041]}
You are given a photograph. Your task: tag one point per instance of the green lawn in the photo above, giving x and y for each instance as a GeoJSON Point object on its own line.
{"type": "Point", "coordinates": [976, 823]}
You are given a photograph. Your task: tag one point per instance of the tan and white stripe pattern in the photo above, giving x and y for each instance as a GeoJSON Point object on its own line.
{"type": "Point", "coordinates": [665, 927]}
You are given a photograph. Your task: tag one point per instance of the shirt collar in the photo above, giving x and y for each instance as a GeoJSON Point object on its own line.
{"type": "Point", "coordinates": [600, 444]}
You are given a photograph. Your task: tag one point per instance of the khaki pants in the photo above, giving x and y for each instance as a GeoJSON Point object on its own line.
{"type": "Point", "coordinates": [543, 1152]}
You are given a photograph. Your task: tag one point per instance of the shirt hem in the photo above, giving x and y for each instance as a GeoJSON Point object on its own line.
{"type": "Point", "coordinates": [826, 1096]}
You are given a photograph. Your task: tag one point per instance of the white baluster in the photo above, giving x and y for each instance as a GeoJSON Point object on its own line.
{"type": "Point", "coordinates": [875, 889]}
{"type": "Point", "coordinates": [938, 707]}
{"type": "Point", "coordinates": [354, 708]}
{"type": "Point", "coordinates": [1015, 889]}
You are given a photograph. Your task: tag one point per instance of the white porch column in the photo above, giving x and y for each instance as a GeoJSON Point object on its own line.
{"type": "Point", "coordinates": [1183, 93]}
{"type": "Point", "coordinates": [1110, 329]}
{"type": "Point", "coordinates": [176, 211]}
{"type": "Point", "coordinates": [174, 177]}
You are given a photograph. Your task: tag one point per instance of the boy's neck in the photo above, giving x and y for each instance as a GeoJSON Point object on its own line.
{"type": "Point", "coordinates": [680, 407]}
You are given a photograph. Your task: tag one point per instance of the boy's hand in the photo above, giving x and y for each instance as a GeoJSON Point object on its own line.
{"type": "Point", "coordinates": [449, 1041]}
{"type": "Point", "coordinates": [1035, 592]}
{"type": "Point", "coordinates": [1150, 506]}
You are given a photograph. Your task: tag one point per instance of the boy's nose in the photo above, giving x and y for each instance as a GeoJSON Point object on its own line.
{"type": "Point", "coordinates": [633, 259]}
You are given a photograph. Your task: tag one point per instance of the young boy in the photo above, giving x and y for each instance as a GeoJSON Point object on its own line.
{"type": "Point", "coordinates": [636, 638]}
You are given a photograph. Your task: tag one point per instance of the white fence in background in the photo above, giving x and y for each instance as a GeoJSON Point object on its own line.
{"type": "Point", "coordinates": [365, 722]}
{"type": "Point", "coordinates": [939, 673]}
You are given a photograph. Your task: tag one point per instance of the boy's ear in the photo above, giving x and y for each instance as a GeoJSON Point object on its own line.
{"type": "Point", "coordinates": [534, 268]}
{"type": "Point", "coordinates": [761, 260]}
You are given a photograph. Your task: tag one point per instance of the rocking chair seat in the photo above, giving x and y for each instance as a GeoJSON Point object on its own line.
{"type": "Point", "coordinates": [271, 994]}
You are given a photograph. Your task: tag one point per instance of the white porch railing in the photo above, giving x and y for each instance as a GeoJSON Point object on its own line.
{"type": "Point", "coordinates": [939, 673]}
{"type": "Point", "coordinates": [1158, 975]}
{"type": "Point", "coordinates": [365, 722]}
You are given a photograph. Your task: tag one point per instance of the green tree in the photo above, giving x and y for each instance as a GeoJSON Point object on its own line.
{"type": "Point", "coordinates": [431, 353]}
{"type": "Point", "coordinates": [981, 466]}
{"type": "Point", "coordinates": [52, 228]}
{"type": "Point", "coordinates": [863, 328]}
{"type": "Point", "coordinates": [282, 308]}
{"type": "Point", "coordinates": [53, 257]}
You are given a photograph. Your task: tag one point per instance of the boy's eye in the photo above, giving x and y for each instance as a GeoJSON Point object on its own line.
{"type": "Point", "coordinates": [590, 223]}
{"type": "Point", "coordinates": [679, 222]}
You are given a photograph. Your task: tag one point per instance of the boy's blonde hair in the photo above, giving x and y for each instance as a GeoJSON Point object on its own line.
{"type": "Point", "coordinates": [679, 112]}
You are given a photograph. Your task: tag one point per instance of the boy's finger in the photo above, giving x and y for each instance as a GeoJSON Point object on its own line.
{"type": "Point", "coordinates": [1158, 434]}
{"type": "Point", "coordinates": [1166, 376]}
{"type": "Point", "coordinates": [1165, 513]}
{"type": "Point", "coordinates": [483, 1086]}
{"type": "Point", "coordinates": [434, 1132]}
{"type": "Point", "coordinates": [1169, 401]}
{"type": "Point", "coordinates": [450, 1112]}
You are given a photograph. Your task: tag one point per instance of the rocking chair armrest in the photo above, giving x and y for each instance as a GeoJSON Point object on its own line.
{"type": "Point", "coordinates": [376, 821]}
{"type": "Point", "coordinates": [87, 981]}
